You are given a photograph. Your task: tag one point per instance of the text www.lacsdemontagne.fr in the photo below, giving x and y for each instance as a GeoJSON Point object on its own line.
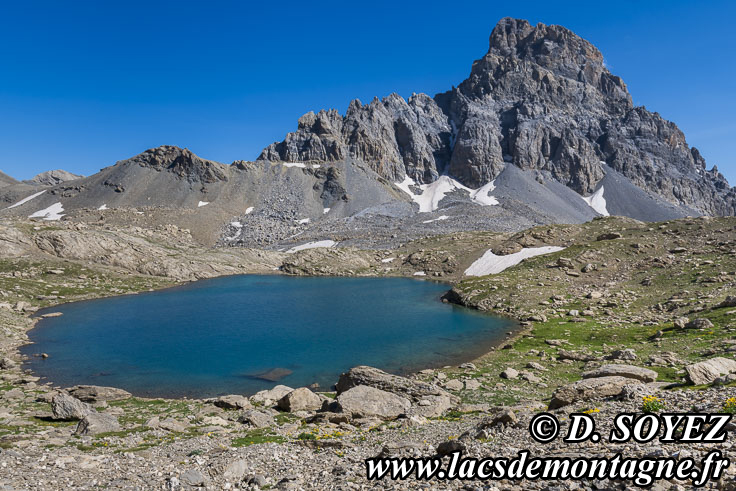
{"type": "Point", "coordinates": [639, 471]}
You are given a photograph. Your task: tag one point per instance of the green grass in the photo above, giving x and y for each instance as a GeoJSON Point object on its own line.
{"type": "Point", "coordinates": [256, 437]}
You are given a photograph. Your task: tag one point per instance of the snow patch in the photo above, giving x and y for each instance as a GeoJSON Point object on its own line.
{"type": "Point", "coordinates": [420, 273]}
{"type": "Point", "coordinates": [482, 194]}
{"type": "Point", "coordinates": [312, 245]}
{"type": "Point", "coordinates": [489, 263]}
{"type": "Point", "coordinates": [26, 200]}
{"type": "Point", "coordinates": [387, 260]}
{"type": "Point", "coordinates": [428, 200]}
{"type": "Point", "coordinates": [295, 164]}
{"type": "Point", "coordinates": [202, 203]}
{"type": "Point", "coordinates": [316, 166]}
{"type": "Point", "coordinates": [236, 224]}
{"type": "Point", "coordinates": [52, 213]}
{"type": "Point", "coordinates": [443, 217]}
{"type": "Point", "coordinates": [597, 202]}
{"type": "Point", "coordinates": [103, 207]}
{"type": "Point", "coordinates": [325, 211]}
{"type": "Point", "coordinates": [303, 221]}
{"type": "Point", "coordinates": [249, 210]}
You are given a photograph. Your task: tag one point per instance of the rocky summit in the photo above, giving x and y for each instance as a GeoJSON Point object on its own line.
{"type": "Point", "coordinates": [540, 132]}
{"type": "Point", "coordinates": [542, 100]}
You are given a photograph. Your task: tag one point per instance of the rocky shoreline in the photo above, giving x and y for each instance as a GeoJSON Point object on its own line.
{"type": "Point", "coordinates": [593, 341]}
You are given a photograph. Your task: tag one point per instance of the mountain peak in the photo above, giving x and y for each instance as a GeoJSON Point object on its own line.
{"type": "Point", "coordinates": [53, 177]}
{"type": "Point", "coordinates": [540, 99]}
{"type": "Point", "coordinates": [180, 161]}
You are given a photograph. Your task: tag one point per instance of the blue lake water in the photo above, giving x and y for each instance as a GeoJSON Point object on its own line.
{"type": "Point", "coordinates": [241, 334]}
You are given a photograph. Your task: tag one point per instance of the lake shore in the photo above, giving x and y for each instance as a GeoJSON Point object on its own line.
{"type": "Point", "coordinates": [623, 310]}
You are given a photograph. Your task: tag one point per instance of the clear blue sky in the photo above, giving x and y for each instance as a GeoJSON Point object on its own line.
{"type": "Point", "coordinates": [83, 84]}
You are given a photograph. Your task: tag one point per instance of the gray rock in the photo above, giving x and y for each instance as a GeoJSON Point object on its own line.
{"type": "Point", "coordinates": [627, 354]}
{"type": "Point", "coordinates": [255, 418]}
{"type": "Point", "coordinates": [369, 402]}
{"type": "Point", "coordinates": [450, 446]}
{"type": "Point", "coordinates": [681, 322]}
{"type": "Point", "coordinates": [510, 373]}
{"type": "Point", "coordinates": [729, 301]}
{"type": "Point", "coordinates": [269, 397]}
{"type": "Point", "coordinates": [232, 402]}
{"type": "Point", "coordinates": [587, 389]}
{"type": "Point", "coordinates": [193, 477]}
{"type": "Point", "coordinates": [95, 393]}
{"type": "Point", "coordinates": [454, 384]}
{"type": "Point", "coordinates": [705, 372]}
{"type": "Point", "coordinates": [699, 324]}
{"type": "Point", "coordinates": [6, 363]}
{"type": "Point", "coordinates": [301, 399]}
{"type": "Point", "coordinates": [235, 471]}
{"type": "Point", "coordinates": [66, 407]}
{"type": "Point", "coordinates": [95, 423]}
{"type": "Point", "coordinates": [413, 390]}
{"type": "Point", "coordinates": [628, 371]}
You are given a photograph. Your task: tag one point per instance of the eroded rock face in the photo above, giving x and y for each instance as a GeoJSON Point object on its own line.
{"type": "Point", "coordinates": [540, 99]}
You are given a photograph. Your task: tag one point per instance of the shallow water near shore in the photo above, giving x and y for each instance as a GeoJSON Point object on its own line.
{"type": "Point", "coordinates": [242, 334]}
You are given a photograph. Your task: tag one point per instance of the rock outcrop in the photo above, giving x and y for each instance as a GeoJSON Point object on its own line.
{"type": "Point", "coordinates": [541, 99]}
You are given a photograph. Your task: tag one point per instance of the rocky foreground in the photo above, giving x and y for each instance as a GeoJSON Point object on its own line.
{"type": "Point", "coordinates": [626, 310]}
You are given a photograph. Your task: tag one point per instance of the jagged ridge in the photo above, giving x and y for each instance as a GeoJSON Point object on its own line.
{"type": "Point", "coordinates": [540, 99]}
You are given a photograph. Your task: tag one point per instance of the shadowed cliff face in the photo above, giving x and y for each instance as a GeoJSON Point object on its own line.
{"type": "Point", "coordinates": [540, 99]}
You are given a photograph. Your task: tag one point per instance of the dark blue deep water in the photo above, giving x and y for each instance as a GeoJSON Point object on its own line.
{"type": "Point", "coordinates": [223, 336]}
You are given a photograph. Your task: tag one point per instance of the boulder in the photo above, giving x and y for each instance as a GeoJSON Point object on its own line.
{"type": "Point", "coordinates": [6, 363]}
{"type": "Point", "coordinates": [368, 402]}
{"type": "Point", "coordinates": [609, 236]}
{"type": "Point", "coordinates": [699, 324]}
{"type": "Point", "coordinates": [66, 407]}
{"type": "Point", "coordinates": [95, 423]}
{"type": "Point", "coordinates": [95, 393]}
{"type": "Point", "coordinates": [232, 402]}
{"type": "Point", "coordinates": [255, 418]}
{"type": "Point", "coordinates": [269, 397]}
{"type": "Point", "coordinates": [628, 371]}
{"type": "Point", "coordinates": [587, 389]}
{"type": "Point", "coordinates": [681, 322]}
{"type": "Point", "coordinates": [627, 354]}
{"type": "Point", "coordinates": [431, 406]}
{"type": "Point", "coordinates": [454, 384]}
{"type": "Point", "coordinates": [450, 447]}
{"type": "Point", "coordinates": [705, 372]}
{"type": "Point", "coordinates": [301, 399]}
{"type": "Point", "coordinates": [730, 301]}
{"type": "Point", "coordinates": [575, 356]}
{"type": "Point", "coordinates": [510, 373]}
{"type": "Point", "coordinates": [373, 377]}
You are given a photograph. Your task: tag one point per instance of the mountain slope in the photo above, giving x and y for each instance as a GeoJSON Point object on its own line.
{"type": "Point", "coordinates": [540, 99]}
{"type": "Point", "coordinates": [6, 180]}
